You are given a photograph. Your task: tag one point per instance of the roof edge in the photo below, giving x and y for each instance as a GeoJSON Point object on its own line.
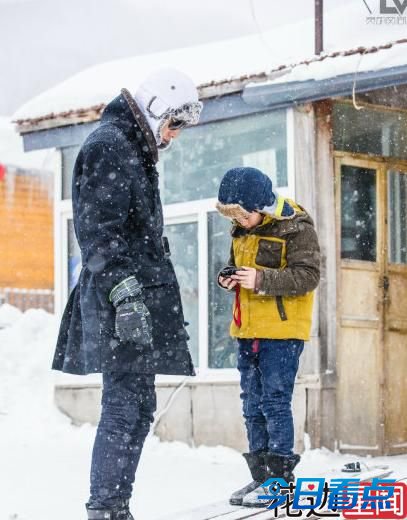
{"type": "Point", "coordinates": [282, 95]}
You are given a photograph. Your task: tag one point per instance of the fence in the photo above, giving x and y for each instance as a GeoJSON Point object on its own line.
{"type": "Point", "coordinates": [28, 298]}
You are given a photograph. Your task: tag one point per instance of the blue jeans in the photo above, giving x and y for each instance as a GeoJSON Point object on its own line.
{"type": "Point", "coordinates": [267, 373]}
{"type": "Point", "coordinates": [128, 404]}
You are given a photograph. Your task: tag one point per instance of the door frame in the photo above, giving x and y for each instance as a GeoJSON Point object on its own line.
{"type": "Point", "coordinates": [382, 165]}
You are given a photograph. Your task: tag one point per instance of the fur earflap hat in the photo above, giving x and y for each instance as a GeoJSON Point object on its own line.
{"type": "Point", "coordinates": [243, 190]}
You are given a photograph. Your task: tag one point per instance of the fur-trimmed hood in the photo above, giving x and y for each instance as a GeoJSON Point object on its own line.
{"type": "Point", "coordinates": [281, 209]}
{"type": "Point", "coordinates": [282, 218]}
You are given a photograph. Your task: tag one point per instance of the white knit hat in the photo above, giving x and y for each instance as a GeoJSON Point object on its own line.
{"type": "Point", "coordinates": [168, 93]}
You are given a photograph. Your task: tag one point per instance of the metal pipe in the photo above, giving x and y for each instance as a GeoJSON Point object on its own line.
{"type": "Point", "coordinates": [319, 26]}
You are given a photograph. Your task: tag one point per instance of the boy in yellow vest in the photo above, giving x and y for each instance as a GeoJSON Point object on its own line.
{"type": "Point", "coordinates": [275, 248]}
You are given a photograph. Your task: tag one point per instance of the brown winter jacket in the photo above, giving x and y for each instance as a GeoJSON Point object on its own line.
{"type": "Point", "coordinates": [286, 254]}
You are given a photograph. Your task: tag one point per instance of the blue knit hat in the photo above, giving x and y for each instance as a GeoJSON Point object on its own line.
{"type": "Point", "coordinates": [243, 190]}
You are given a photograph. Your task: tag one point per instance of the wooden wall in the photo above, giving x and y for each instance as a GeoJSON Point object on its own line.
{"type": "Point", "coordinates": [26, 230]}
{"type": "Point", "coordinates": [315, 190]}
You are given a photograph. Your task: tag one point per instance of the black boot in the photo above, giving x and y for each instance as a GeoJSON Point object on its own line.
{"type": "Point", "coordinates": [120, 512]}
{"type": "Point", "coordinates": [257, 468]}
{"type": "Point", "coordinates": [281, 466]}
{"type": "Point", "coordinates": [277, 466]}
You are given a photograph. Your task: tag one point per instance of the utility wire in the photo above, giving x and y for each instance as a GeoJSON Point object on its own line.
{"type": "Point", "coordinates": [356, 106]}
{"type": "Point", "coordinates": [168, 404]}
{"type": "Point", "coordinates": [259, 29]}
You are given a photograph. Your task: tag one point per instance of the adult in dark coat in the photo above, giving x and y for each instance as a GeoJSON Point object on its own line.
{"type": "Point", "coordinates": [124, 317]}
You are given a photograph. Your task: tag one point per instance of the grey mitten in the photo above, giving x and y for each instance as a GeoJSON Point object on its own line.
{"type": "Point", "coordinates": [133, 319]}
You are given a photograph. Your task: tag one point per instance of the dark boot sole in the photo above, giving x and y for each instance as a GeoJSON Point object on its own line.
{"type": "Point", "coordinates": [257, 506]}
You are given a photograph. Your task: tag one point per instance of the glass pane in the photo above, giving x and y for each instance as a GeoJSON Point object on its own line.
{"type": "Point", "coordinates": [74, 257]}
{"type": "Point", "coordinates": [369, 131]}
{"type": "Point", "coordinates": [397, 216]}
{"type": "Point", "coordinates": [193, 167]}
{"type": "Point", "coordinates": [183, 241]}
{"type": "Point", "coordinates": [69, 155]}
{"type": "Point", "coordinates": [358, 219]}
{"type": "Point", "coordinates": [222, 348]}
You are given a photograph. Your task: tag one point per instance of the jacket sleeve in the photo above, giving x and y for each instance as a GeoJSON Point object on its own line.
{"type": "Point", "coordinates": [102, 210]}
{"type": "Point", "coordinates": [301, 275]}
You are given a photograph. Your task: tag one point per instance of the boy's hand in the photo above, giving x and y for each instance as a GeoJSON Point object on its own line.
{"type": "Point", "coordinates": [227, 283]}
{"type": "Point", "coordinates": [246, 277]}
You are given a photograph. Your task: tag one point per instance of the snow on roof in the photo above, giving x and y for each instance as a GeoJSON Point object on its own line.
{"type": "Point", "coordinates": [101, 83]}
{"type": "Point", "coordinates": [222, 67]}
{"type": "Point", "coordinates": [359, 60]}
{"type": "Point", "coordinates": [11, 149]}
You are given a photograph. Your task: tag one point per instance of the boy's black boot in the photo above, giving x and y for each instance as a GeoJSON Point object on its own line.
{"type": "Point", "coordinates": [277, 466]}
{"type": "Point", "coordinates": [257, 467]}
{"type": "Point", "coordinates": [281, 466]}
{"type": "Point", "coordinates": [120, 512]}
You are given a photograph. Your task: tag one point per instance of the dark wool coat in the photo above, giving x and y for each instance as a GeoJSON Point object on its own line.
{"type": "Point", "coordinates": [118, 220]}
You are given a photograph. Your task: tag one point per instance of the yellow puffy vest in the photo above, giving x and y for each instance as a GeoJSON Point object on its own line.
{"type": "Point", "coordinates": [260, 314]}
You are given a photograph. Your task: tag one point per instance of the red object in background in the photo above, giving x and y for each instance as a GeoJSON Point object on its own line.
{"type": "Point", "coordinates": [2, 171]}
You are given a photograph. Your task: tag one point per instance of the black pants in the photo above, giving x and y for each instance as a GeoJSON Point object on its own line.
{"type": "Point", "coordinates": [128, 404]}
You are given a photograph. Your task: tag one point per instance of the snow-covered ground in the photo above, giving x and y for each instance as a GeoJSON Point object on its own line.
{"type": "Point", "coordinates": [44, 460]}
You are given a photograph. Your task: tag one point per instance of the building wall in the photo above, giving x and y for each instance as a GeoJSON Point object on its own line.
{"type": "Point", "coordinates": [26, 230]}
{"type": "Point", "coordinates": [206, 413]}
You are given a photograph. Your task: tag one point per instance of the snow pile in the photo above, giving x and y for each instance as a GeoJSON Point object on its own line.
{"type": "Point", "coordinates": [12, 153]}
{"type": "Point", "coordinates": [45, 460]}
{"type": "Point", "coordinates": [26, 383]}
{"type": "Point", "coordinates": [8, 315]}
{"type": "Point", "coordinates": [287, 44]}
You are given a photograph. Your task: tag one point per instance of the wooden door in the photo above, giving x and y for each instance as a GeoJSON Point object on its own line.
{"type": "Point", "coordinates": [372, 305]}
{"type": "Point", "coordinates": [360, 304]}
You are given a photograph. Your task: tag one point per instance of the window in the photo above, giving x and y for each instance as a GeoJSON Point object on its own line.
{"type": "Point", "coordinates": [358, 210]}
{"type": "Point", "coordinates": [184, 255]}
{"type": "Point", "coordinates": [397, 216]}
{"type": "Point", "coordinates": [74, 257]}
{"type": "Point", "coordinates": [370, 131]}
{"type": "Point", "coordinates": [193, 167]}
{"type": "Point", "coordinates": [221, 348]}
{"type": "Point", "coordinates": [69, 155]}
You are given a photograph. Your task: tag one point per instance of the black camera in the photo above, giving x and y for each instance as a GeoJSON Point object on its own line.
{"type": "Point", "coordinates": [228, 271]}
